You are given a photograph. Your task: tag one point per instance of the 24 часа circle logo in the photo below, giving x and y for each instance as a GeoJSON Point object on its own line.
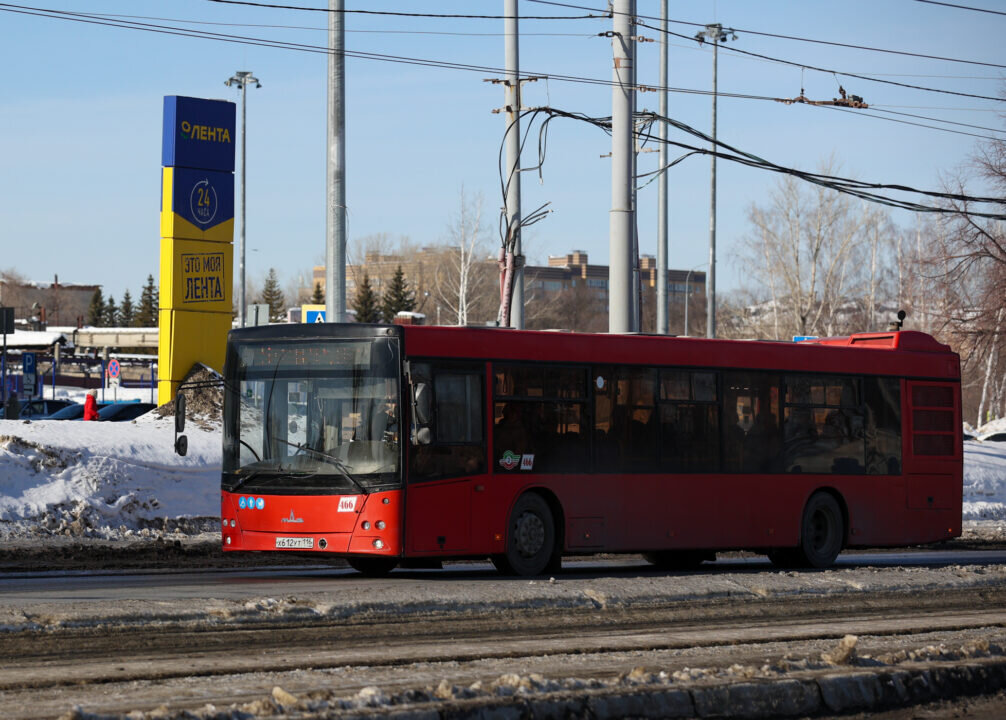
{"type": "Point", "coordinates": [203, 202]}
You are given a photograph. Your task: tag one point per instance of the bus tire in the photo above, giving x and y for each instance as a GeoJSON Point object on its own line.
{"type": "Point", "coordinates": [373, 566]}
{"type": "Point", "coordinates": [678, 559]}
{"type": "Point", "coordinates": [530, 538]}
{"type": "Point", "coordinates": [822, 531]}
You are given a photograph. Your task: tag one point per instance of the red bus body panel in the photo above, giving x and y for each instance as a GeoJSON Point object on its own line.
{"type": "Point", "coordinates": [610, 512]}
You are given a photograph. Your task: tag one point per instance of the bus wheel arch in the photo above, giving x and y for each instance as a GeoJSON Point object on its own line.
{"type": "Point", "coordinates": [533, 535]}
{"type": "Point", "coordinates": [823, 528]}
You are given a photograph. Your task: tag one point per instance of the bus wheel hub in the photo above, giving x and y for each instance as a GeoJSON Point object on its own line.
{"type": "Point", "coordinates": [530, 534]}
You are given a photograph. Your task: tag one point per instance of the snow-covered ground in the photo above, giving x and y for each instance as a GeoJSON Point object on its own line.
{"type": "Point", "coordinates": [114, 480]}
{"type": "Point", "coordinates": [123, 480]}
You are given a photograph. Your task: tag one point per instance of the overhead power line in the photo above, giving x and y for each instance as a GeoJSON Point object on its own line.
{"type": "Point", "coordinates": [795, 38]}
{"type": "Point", "coordinates": [393, 13]}
{"type": "Point", "coordinates": [856, 188]}
{"type": "Point", "coordinates": [102, 20]}
{"type": "Point", "coordinates": [805, 66]}
{"type": "Point", "coordinates": [962, 7]}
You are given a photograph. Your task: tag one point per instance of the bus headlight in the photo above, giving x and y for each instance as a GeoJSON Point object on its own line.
{"type": "Point", "coordinates": [380, 525]}
{"type": "Point", "coordinates": [233, 523]}
{"type": "Point", "coordinates": [378, 543]}
{"type": "Point", "coordinates": [228, 540]}
{"type": "Point", "coordinates": [366, 525]}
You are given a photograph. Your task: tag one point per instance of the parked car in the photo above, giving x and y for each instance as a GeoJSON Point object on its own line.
{"type": "Point", "coordinates": [999, 436]}
{"type": "Point", "coordinates": [39, 408]}
{"type": "Point", "coordinates": [71, 412]}
{"type": "Point", "coordinates": [119, 412]}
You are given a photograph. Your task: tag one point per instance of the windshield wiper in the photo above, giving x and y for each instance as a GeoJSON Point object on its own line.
{"type": "Point", "coordinates": [245, 479]}
{"type": "Point", "coordinates": [334, 461]}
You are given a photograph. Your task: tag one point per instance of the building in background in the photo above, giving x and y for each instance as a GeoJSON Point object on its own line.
{"type": "Point", "coordinates": [55, 303]}
{"type": "Point", "coordinates": [570, 278]}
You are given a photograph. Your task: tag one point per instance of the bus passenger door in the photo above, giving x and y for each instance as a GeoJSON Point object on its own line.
{"type": "Point", "coordinates": [447, 449]}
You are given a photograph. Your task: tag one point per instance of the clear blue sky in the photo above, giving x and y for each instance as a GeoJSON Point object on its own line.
{"type": "Point", "coordinates": [81, 104]}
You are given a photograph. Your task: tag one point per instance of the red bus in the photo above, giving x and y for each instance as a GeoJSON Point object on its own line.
{"type": "Point", "coordinates": [407, 445]}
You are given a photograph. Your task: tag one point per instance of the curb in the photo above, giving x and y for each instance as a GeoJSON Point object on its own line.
{"type": "Point", "coordinates": [832, 693]}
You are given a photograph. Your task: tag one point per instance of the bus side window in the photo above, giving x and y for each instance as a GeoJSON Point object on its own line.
{"type": "Point", "coordinates": [448, 438]}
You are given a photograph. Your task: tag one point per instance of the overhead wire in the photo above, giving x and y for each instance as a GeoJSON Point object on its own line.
{"type": "Point", "coordinates": [89, 18]}
{"type": "Point", "coordinates": [962, 7]}
{"type": "Point", "coordinates": [394, 13]}
{"type": "Point", "coordinates": [788, 37]}
{"type": "Point", "coordinates": [850, 186]}
{"type": "Point", "coordinates": [793, 63]}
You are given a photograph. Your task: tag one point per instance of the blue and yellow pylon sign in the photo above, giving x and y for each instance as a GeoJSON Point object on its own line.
{"type": "Point", "coordinates": [197, 234]}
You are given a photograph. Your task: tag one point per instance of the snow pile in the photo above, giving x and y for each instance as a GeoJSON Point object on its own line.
{"type": "Point", "coordinates": [107, 480]}
{"type": "Point", "coordinates": [122, 480]}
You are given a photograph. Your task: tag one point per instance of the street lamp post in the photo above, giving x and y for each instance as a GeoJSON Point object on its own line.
{"type": "Point", "coordinates": [688, 292]}
{"type": "Point", "coordinates": [717, 34]}
{"type": "Point", "coordinates": [242, 79]}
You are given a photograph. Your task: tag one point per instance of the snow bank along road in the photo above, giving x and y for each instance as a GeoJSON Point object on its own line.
{"type": "Point", "coordinates": [309, 643]}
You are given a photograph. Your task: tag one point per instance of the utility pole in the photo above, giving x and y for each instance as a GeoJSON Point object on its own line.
{"type": "Point", "coordinates": [512, 107]}
{"type": "Point", "coordinates": [242, 79]}
{"type": "Point", "coordinates": [621, 216]}
{"type": "Point", "coordinates": [662, 325]}
{"type": "Point", "coordinates": [335, 217]}
{"type": "Point", "coordinates": [715, 33]}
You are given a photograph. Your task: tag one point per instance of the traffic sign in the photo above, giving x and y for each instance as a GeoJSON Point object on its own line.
{"type": "Point", "coordinates": [312, 313]}
{"type": "Point", "coordinates": [28, 365]}
{"type": "Point", "coordinates": [113, 368]}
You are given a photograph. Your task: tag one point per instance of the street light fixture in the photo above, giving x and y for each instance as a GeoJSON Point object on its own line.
{"type": "Point", "coordinates": [242, 79]}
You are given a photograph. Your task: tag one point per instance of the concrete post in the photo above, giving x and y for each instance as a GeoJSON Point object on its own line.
{"type": "Point", "coordinates": [335, 245]}
{"type": "Point", "coordinates": [621, 217]}
{"type": "Point", "coordinates": [512, 115]}
{"type": "Point", "coordinates": [662, 323]}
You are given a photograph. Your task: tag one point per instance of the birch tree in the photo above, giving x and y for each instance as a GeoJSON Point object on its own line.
{"type": "Point", "coordinates": [463, 279]}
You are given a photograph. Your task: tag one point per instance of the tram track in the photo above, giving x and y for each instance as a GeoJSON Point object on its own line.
{"type": "Point", "coordinates": [230, 664]}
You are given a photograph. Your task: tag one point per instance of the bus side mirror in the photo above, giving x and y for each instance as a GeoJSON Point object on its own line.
{"type": "Point", "coordinates": [180, 413]}
{"type": "Point", "coordinates": [421, 412]}
{"type": "Point", "coordinates": [181, 442]}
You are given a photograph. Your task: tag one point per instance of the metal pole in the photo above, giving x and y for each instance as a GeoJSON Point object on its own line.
{"type": "Point", "coordinates": [662, 324]}
{"type": "Point", "coordinates": [711, 277]}
{"type": "Point", "coordinates": [621, 217]}
{"type": "Point", "coordinates": [512, 114]}
{"type": "Point", "coordinates": [243, 307]}
{"type": "Point", "coordinates": [636, 289]}
{"type": "Point", "coordinates": [335, 246]}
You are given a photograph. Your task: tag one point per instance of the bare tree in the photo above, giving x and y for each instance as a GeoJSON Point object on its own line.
{"type": "Point", "coordinates": [803, 259]}
{"type": "Point", "coordinates": [463, 278]}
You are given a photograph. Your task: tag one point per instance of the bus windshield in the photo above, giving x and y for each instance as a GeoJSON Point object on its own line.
{"type": "Point", "coordinates": [309, 417]}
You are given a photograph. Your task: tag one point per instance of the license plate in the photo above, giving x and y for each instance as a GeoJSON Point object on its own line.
{"type": "Point", "coordinates": [297, 543]}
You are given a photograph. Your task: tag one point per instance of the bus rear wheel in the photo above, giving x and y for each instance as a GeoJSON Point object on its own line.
{"type": "Point", "coordinates": [373, 566]}
{"type": "Point", "coordinates": [822, 531]}
{"type": "Point", "coordinates": [530, 540]}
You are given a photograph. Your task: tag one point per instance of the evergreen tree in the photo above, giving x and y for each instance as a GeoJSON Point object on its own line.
{"type": "Point", "coordinates": [146, 312]}
{"type": "Point", "coordinates": [365, 302]}
{"type": "Point", "coordinates": [127, 312]}
{"type": "Point", "coordinates": [111, 316]}
{"type": "Point", "coordinates": [96, 311]}
{"type": "Point", "coordinates": [398, 297]}
{"type": "Point", "coordinates": [318, 297]}
{"type": "Point", "coordinates": [273, 297]}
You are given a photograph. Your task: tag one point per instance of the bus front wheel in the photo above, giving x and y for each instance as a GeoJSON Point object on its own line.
{"type": "Point", "coordinates": [530, 540]}
{"type": "Point", "coordinates": [822, 531]}
{"type": "Point", "coordinates": [372, 566]}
